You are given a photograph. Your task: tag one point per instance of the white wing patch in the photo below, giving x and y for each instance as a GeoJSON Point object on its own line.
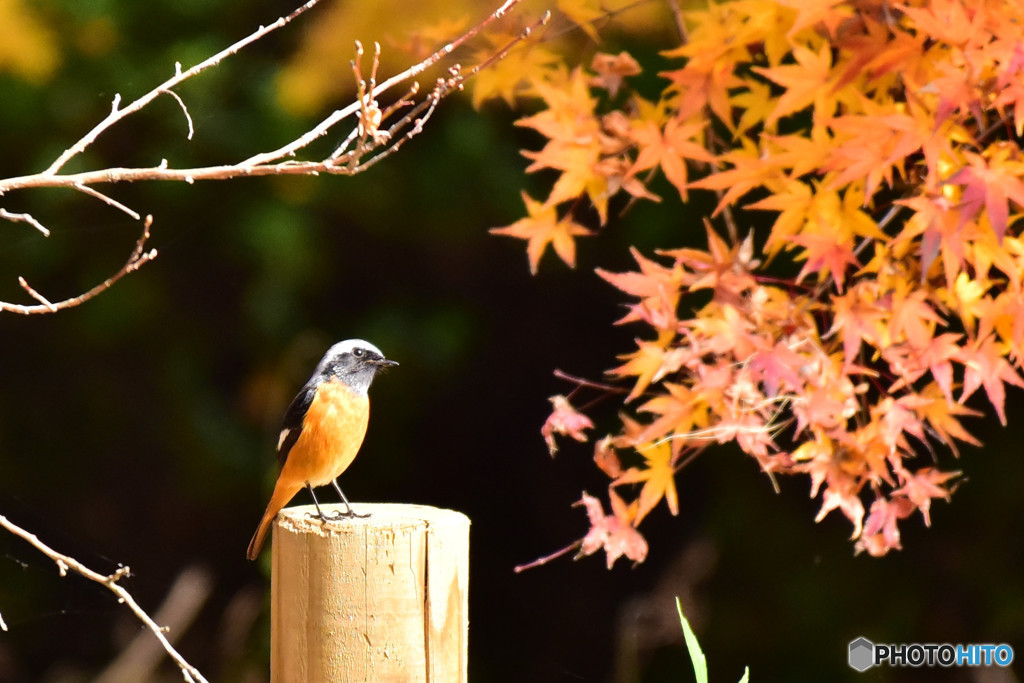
{"type": "Point", "coordinates": [282, 438]}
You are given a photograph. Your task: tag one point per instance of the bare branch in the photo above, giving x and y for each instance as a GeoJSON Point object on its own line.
{"type": "Point", "coordinates": [137, 662]}
{"type": "Point", "coordinates": [184, 109]}
{"type": "Point", "coordinates": [117, 113]}
{"type": "Point", "coordinates": [370, 121]}
{"type": "Point", "coordinates": [138, 257]}
{"type": "Point", "coordinates": [324, 126]}
{"type": "Point", "coordinates": [111, 581]}
{"type": "Point", "coordinates": [24, 218]}
{"type": "Point", "coordinates": [377, 132]}
{"type": "Point", "coordinates": [36, 295]}
{"type": "Point", "coordinates": [110, 201]}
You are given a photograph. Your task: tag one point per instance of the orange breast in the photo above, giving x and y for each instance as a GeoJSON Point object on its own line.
{"type": "Point", "coordinates": [332, 432]}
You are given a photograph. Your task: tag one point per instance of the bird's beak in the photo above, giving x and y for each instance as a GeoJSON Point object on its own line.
{"type": "Point", "coordinates": [383, 362]}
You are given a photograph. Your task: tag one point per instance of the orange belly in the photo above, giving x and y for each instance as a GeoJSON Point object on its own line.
{"type": "Point", "coordinates": [332, 432]}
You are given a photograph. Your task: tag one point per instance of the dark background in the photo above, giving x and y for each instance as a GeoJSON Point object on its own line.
{"type": "Point", "coordinates": [139, 428]}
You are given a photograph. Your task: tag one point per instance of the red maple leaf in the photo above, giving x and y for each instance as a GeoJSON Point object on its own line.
{"type": "Point", "coordinates": [984, 365]}
{"type": "Point", "coordinates": [615, 533]}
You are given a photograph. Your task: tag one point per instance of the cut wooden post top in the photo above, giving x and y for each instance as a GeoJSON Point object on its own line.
{"type": "Point", "coordinates": [303, 518]}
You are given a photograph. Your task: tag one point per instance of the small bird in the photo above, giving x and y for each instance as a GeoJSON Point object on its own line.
{"type": "Point", "coordinates": [323, 428]}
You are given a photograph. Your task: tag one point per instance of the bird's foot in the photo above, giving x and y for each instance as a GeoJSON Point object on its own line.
{"type": "Point", "coordinates": [348, 514]}
{"type": "Point", "coordinates": [337, 516]}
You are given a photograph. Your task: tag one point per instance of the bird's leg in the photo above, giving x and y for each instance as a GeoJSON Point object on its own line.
{"type": "Point", "coordinates": [319, 512]}
{"type": "Point", "coordinates": [349, 511]}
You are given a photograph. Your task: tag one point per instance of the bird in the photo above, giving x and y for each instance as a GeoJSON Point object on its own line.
{"type": "Point", "coordinates": [323, 429]}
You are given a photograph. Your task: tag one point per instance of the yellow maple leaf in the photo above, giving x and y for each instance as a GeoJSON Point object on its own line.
{"type": "Point", "coordinates": [584, 13]}
{"type": "Point", "coordinates": [658, 477]}
{"type": "Point", "coordinates": [527, 63]}
{"type": "Point", "coordinates": [542, 227]}
{"type": "Point", "coordinates": [649, 363]}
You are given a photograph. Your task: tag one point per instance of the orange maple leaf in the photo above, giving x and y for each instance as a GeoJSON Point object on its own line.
{"type": "Point", "coordinates": [826, 253]}
{"type": "Point", "coordinates": [611, 70]}
{"type": "Point", "coordinates": [543, 227]}
{"type": "Point", "coordinates": [942, 415]}
{"type": "Point", "coordinates": [805, 82]}
{"type": "Point", "coordinates": [668, 148]}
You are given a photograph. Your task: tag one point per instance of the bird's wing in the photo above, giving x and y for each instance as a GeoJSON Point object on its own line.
{"type": "Point", "coordinates": [292, 425]}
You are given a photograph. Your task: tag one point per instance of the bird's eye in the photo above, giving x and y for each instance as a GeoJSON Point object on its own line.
{"type": "Point", "coordinates": [357, 352]}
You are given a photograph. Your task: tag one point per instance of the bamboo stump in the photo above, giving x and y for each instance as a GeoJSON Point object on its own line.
{"type": "Point", "coordinates": [381, 598]}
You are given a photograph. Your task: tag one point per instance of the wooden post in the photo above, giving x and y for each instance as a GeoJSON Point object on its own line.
{"type": "Point", "coordinates": [381, 598]}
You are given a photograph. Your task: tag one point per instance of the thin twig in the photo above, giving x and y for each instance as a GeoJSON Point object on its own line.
{"type": "Point", "coordinates": [138, 258]}
{"type": "Point", "coordinates": [588, 383]}
{"type": "Point", "coordinates": [117, 113]}
{"type": "Point", "coordinates": [547, 558]}
{"type": "Point", "coordinates": [111, 581]}
{"type": "Point", "coordinates": [109, 201]}
{"type": "Point", "coordinates": [324, 126]}
{"type": "Point", "coordinates": [24, 218]}
{"type": "Point", "coordinates": [277, 162]}
{"type": "Point", "coordinates": [36, 295]}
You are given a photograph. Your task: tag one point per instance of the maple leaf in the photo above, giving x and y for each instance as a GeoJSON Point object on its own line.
{"type": "Point", "coordinates": [993, 183]}
{"type": "Point", "coordinates": [566, 420]}
{"type": "Point", "coordinates": [805, 82]}
{"type": "Point", "coordinates": [756, 104]}
{"type": "Point", "coordinates": [541, 228]}
{"type": "Point", "coordinates": [583, 13]}
{"type": "Point", "coordinates": [923, 485]}
{"type": "Point", "coordinates": [941, 231]}
{"type": "Point", "coordinates": [679, 412]}
{"type": "Point", "coordinates": [726, 269]}
{"type": "Point", "coordinates": [913, 319]}
{"type": "Point", "coordinates": [848, 502]}
{"type": "Point", "coordinates": [606, 458]}
{"type": "Point", "coordinates": [947, 21]}
{"type": "Point", "coordinates": [749, 171]}
{"type": "Point", "coordinates": [911, 362]}
{"type": "Point", "coordinates": [611, 70]}
{"type": "Point", "coordinates": [828, 13]}
{"type": "Point", "coordinates": [942, 415]}
{"type": "Point", "coordinates": [1010, 85]}
{"type": "Point", "coordinates": [657, 287]}
{"type": "Point", "coordinates": [649, 363]}
{"type": "Point", "coordinates": [984, 365]}
{"type": "Point", "coordinates": [515, 74]}
{"type": "Point", "coordinates": [826, 253]}
{"type": "Point", "coordinates": [668, 148]}
{"type": "Point", "coordinates": [658, 477]}
{"type": "Point", "coordinates": [615, 534]}
{"type": "Point", "coordinates": [881, 533]}
{"type": "Point", "coordinates": [859, 318]}
{"type": "Point", "coordinates": [778, 366]}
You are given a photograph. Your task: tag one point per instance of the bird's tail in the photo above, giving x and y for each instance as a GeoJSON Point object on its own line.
{"type": "Point", "coordinates": [283, 492]}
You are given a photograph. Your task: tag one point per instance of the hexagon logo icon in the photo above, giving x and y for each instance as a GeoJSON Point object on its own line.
{"type": "Point", "coordinates": [862, 654]}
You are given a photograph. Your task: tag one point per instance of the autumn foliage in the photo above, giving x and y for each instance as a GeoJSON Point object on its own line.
{"type": "Point", "coordinates": [882, 143]}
